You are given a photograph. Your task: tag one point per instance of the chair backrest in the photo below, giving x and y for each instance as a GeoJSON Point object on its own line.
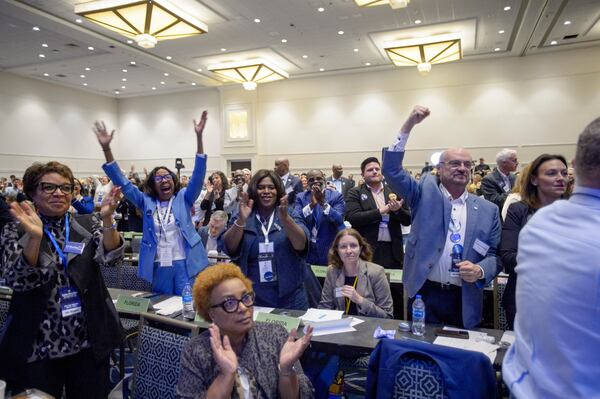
{"type": "Point", "coordinates": [131, 281]}
{"type": "Point", "coordinates": [418, 377]}
{"type": "Point", "coordinates": [4, 306]}
{"type": "Point", "coordinates": [500, 322]}
{"type": "Point", "coordinates": [160, 343]}
{"type": "Point", "coordinates": [136, 242]}
{"type": "Point", "coordinates": [112, 275]}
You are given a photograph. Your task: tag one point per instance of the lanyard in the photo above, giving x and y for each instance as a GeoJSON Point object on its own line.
{"type": "Point", "coordinates": [61, 255]}
{"type": "Point", "coordinates": [161, 217]}
{"type": "Point", "coordinates": [347, 300]}
{"type": "Point", "coordinates": [266, 230]}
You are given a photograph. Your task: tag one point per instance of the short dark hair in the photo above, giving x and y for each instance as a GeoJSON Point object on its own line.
{"type": "Point", "coordinates": [149, 187]}
{"type": "Point", "coordinates": [258, 177]}
{"type": "Point", "coordinates": [587, 155]}
{"type": "Point", "coordinates": [35, 172]}
{"type": "Point", "coordinates": [367, 161]}
{"type": "Point", "coordinates": [366, 253]}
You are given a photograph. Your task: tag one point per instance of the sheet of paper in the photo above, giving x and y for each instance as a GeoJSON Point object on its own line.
{"type": "Point", "coordinates": [169, 306]}
{"type": "Point", "coordinates": [331, 326]}
{"type": "Point", "coordinates": [261, 309]}
{"type": "Point", "coordinates": [478, 346]}
{"type": "Point", "coordinates": [313, 314]}
{"type": "Point", "coordinates": [355, 321]}
{"type": "Point", "coordinates": [508, 336]}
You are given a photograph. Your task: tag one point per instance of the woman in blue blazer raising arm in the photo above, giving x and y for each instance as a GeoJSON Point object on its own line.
{"type": "Point", "coordinates": [171, 253]}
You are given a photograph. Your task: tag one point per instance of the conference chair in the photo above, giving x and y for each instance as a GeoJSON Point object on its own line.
{"type": "Point", "coordinates": [411, 369]}
{"type": "Point", "coordinates": [500, 322]}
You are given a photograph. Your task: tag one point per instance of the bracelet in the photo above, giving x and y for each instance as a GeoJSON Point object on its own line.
{"type": "Point", "coordinates": [286, 373]}
{"type": "Point", "coordinates": [239, 225]}
{"type": "Point", "coordinates": [111, 227]}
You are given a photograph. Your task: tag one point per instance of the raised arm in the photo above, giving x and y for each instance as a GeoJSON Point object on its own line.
{"type": "Point", "coordinates": [199, 129]}
{"type": "Point", "coordinates": [197, 179]}
{"type": "Point", "coordinates": [104, 138]}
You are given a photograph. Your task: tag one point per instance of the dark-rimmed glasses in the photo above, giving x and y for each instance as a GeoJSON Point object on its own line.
{"type": "Point", "coordinates": [50, 188]}
{"type": "Point", "coordinates": [455, 163]}
{"type": "Point", "coordinates": [161, 178]}
{"type": "Point", "coordinates": [231, 305]}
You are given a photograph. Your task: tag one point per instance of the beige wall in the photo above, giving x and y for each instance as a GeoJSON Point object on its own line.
{"type": "Point", "coordinates": [535, 104]}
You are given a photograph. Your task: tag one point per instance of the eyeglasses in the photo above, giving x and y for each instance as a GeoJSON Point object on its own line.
{"type": "Point", "coordinates": [231, 305]}
{"type": "Point", "coordinates": [455, 163]}
{"type": "Point", "coordinates": [50, 188]}
{"type": "Point", "coordinates": [161, 178]}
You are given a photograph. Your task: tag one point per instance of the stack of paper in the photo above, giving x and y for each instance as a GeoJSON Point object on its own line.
{"type": "Point", "coordinates": [169, 306]}
{"type": "Point", "coordinates": [330, 326]}
{"type": "Point", "coordinates": [319, 315]}
{"type": "Point", "coordinates": [469, 344]}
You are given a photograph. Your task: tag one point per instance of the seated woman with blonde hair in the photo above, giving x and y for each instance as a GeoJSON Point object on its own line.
{"type": "Point", "coordinates": [236, 357]}
{"type": "Point", "coordinates": [354, 284]}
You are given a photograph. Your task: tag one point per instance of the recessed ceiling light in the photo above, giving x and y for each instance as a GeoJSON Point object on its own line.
{"type": "Point", "coordinates": [418, 21]}
{"type": "Point", "coordinates": [88, 68]}
{"type": "Point", "coordinates": [153, 88]}
{"type": "Point", "coordinates": [132, 63]}
{"type": "Point", "coordinates": [223, 49]}
{"type": "Point", "coordinates": [553, 42]}
{"type": "Point", "coordinates": [501, 31]}
{"type": "Point", "coordinates": [46, 74]}
{"type": "Point", "coordinates": [305, 56]}
{"type": "Point", "coordinates": [168, 57]}
{"type": "Point", "coordinates": [367, 63]}
{"type": "Point", "coordinates": [283, 40]}
{"type": "Point", "coordinates": [193, 83]}
{"type": "Point", "coordinates": [199, 69]}
{"type": "Point", "coordinates": [79, 21]}
{"type": "Point", "coordinates": [129, 41]}
{"type": "Point", "coordinates": [44, 45]}
{"type": "Point", "coordinates": [82, 76]}
{"type": "Point", "coordinates": [35, 28]}
{"type": "Point", "coordinates": [567, 23]}
{"type": "Point", "coordinates": [320, 9]}
{"type": "Point", "coordinates": [497, 49]}
{"type": "Point", "coordinates": [340, 32]}
{"type": "Point", "coordinates": [116, 91]}
{"type": "Point", "coordinates": [123, 87]}
{"type": "Point", "coordinates": [166, 74]}
{"type": "Point", "coordinates": [90, 48]}
{"type": "Point", "coordinates": [124, 80]}
{"type": "Point", "coordinates": [507, 8]}
{"type": "Point", "coordinates": [85, 84]}
{"type": "Point", "coordinates": [162, 82]}
{"type": "Point", "coordinates": [321, 69]}
{"type": "Point", "coordinates": [257, 20]}
{"type": "Point", "coordinates": [355, 50]}
{"type": "Point", "coordinates": [42, 56]}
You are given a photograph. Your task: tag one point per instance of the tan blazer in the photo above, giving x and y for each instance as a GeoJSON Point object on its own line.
{"type": "Point", "coordinates": [372, 284]}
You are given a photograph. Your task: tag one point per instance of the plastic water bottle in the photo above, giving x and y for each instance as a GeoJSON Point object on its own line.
{"type": "Point", "coordinates": [188, 303]}
{"type": "Point", "coordinates": [418, 316]}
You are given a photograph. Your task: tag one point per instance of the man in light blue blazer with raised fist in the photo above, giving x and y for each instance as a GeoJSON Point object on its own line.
{"type": "Point", "coordinates": [451, 253]}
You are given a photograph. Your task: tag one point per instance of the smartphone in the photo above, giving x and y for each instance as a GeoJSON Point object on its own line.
{"type": "Point", "coordinates": [451, 333]}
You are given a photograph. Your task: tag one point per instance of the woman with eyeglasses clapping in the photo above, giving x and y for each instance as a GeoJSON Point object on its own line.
{"type": "Point", "coordinates": [237, 357]}
{"type": "Point", "coordinates": [171, 252]}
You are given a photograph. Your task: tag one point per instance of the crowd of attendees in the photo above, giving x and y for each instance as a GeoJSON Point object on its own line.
{"type": "Point", "coordinates": [464, 217]}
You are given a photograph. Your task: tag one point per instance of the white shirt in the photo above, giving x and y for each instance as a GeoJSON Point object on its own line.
{"type": "Point", "coordinates": [506, 180]}
{"type": "Point", "coordinates": [441, 272]}
{"type": "Point", "coordinates": [169, 234]}
{"type": "Point", "coordinates": [337, 184]}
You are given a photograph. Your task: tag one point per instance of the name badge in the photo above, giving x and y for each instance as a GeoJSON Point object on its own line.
{"type": "Point", "coordinates": [313, 235]}
{"type": "Point", "coordinates": [265, 247]}
{"type": "Point", "coordinates": [265, 262]}
{"type": "Point", "coordinates": [481, 247]}
{"type": "Point", "coordinates": [165, 254]}
{"type": "Point", "coordinates": [289, 189]}
{"type": "Point", "coordinates": [70, 303]}
{"type": "Point", "coordinates": [74, 247]}
{"type": "Point", "coordinates": [338, 292]}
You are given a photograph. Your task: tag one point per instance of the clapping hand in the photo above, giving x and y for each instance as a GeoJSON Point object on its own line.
{"type": "Point", "coordinates": [223, 353]}
{"type": "Point", "coordinates": [246, 205]}
{"type": "Point", "coordinates": [283, 208]}
{"type": "Point", "coordinates": [294, 348]}
{"type": "Point", "coordinates": [350, 292]}
{"type": "Point", "coordinates": [395, 205]}
{"type": "Point", "coordinates": [110, 202]}
{"type": "Point", "coordinates": [28, 217]}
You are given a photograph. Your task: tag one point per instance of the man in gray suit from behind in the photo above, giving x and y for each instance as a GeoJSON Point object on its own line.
{"type": "Point", "coordinates": [446, 219]}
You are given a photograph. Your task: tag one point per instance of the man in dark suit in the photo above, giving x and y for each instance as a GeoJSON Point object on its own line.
{"type": "Point", "coordinates": [210, 232]}
{"type": "Point", "coordinates": [339, 182]}
{"type": "Point", "coordinates": [291, 183]}
{"type": "Point", "coordinates": [497, 185]}
{"type": "Point", "coordinates": [377, 213]}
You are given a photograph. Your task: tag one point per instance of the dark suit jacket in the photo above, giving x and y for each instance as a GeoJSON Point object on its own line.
{"type": "Point", "coordinates": [292, 187]}
{"type": "Point", "coordinates": [364, 216]}
{"type": "Point", "coordinates": [347, 184]}
{"type": "Point", "coordinates": [492, 187]}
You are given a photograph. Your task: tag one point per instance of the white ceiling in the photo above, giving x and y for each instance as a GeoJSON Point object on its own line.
{"type": "Point", "coordinates": [530, 26]}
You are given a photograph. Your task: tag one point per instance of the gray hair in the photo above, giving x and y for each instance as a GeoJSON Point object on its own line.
{"type": "Point", "coordinates": [220, 215]}
{"type": "Point", "coordinates": [504, 155]}
{"type": "Point", "coordinates": [587, 155]}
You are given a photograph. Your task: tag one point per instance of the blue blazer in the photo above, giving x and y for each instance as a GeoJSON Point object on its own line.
{"type": "Point", "coordinates": [328, 227]}
{"type": "Point", "coordinates": [430, 220]}
{"type": "Point", "coordinates": [196, 259]}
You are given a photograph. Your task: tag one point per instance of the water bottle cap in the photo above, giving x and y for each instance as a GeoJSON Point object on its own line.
{"type": "Point", "coordinates": [418, 297]}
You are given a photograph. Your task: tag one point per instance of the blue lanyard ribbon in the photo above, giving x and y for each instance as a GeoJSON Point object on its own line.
{"type": "Point", "coordinates": [61, 254]}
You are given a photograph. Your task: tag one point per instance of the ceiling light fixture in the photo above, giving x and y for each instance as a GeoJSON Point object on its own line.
{"type": "Point", "coordinates": [223, 49]}
{"type": "Point", "coordinates": [124, 70]}
{"type": "Point", "coordinates": [145, 21]}
{"type": "Point", "coordinates": [129, 41]}
{"type": "Point", "coordinates": [553, 42]}
{"type": "Point", "coordinates": [392, 3]}
{"type": "Point", "coordinates": [90, 48]}
{"type": "Point", "coordinates": [166, 74]}
{"type": "Point", "coordinates": [320, 9]}
{"type": "Point", "coordinates": [42, 56]}
{"type": "Point", "coordinates": [199, 69]}
{"type": "Point", "coordinates": [162, 82]}
{"type": "Point", "coordinates": [153, 88]}
{"type": "Point", "coordinates": [355, 50]}
{"type": "Point", "coordinates": [507, 8]}
{"type": "Point", "coordinates": [249, 72]}
{"type": "Point", "coordinates": [283, 40]}
{"type": "Point", "coordinates": [305, 56]}
{"type": "Point", "coordinates": [193, 83]}
{"type": "Point", "coordinates": [46, 74]}
{"type": "Point", "coordinates": [367, 63]}
{"type": "Point", "coordinates": [257, 20]}
{"type": "Point", "coordinates": [169, 57]}
{"type": "Point", "coordinates": [123, 87]}
{"type": "Point", "coordinates": [322, 69]}
{"type": "Point", "coordinates": [79, 20]}
{"type": "Point", "coordinates": [88, 68]}
{"type": "Point", "coordinates": [44, 45]}
{"type": "Point", "coordinates": [35, 28]}
{"type": "Point", "coordinates": [340, 32]}
{"type": "Point", "coordinates": [82, 76]}
{"type": "Point", "coordinates": [418, 21]}
{"type": "Point", "coordinates": [501, 32]}
{"type": "Point", "coordinates": [567, 23]}
{"type": "Point", "coordinates": [423, 52]}
{"type": "Point", "coordinates": [116, 91]}
{"type": "Point", "coordinates": [132, 62]}
{"type": "Point", "coordinates": [85, 84]}
{"type": "Point", "coordinates": [124, 80]}
{"type": "Point", "coordinates": [497, 49]}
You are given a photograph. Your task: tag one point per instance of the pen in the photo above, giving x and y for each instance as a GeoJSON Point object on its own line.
{"type": "Point", "coordinates": [320, 317]}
